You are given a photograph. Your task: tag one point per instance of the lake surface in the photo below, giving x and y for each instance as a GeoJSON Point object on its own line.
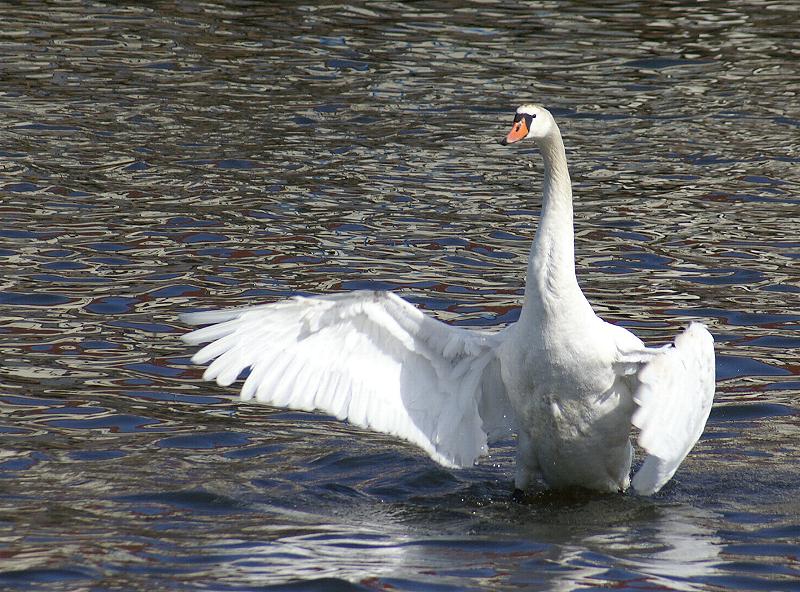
{"type": "Point", "coordinates": [164, 157]}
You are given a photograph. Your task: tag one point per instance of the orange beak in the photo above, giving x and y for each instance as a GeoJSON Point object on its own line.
{"type": "Point", "coordinates": [518, 131]}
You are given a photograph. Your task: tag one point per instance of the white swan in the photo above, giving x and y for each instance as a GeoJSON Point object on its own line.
{"type": "Point", "coordinates": [568, 383]}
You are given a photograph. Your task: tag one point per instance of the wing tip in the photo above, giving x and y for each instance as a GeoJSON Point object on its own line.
{"type": "Point", "coordinates": [652, 476]}
{"type": "Point", "coordinates": [194, 317]}
{"type": "Point", "coordinates": [207, 317]}
{"type": "Point", "coordinates": [696, 331]}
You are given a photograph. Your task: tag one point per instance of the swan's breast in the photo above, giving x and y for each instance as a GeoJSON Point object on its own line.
{"type": "Point", "coordinates": [583, 441]}
{"type": "Point", "coordinates": [575, 409]}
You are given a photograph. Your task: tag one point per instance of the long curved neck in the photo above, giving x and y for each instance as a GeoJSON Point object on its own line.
{"type": "Point", "coordinates": [551, 285]}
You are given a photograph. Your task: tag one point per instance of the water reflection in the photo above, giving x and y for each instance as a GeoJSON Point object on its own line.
{"type": "Point", "coordinates": [156, 158]}
{"type": "Point", "coordinates": [670, 547]}
{"type": "Point", "coordinates": [683, 551]}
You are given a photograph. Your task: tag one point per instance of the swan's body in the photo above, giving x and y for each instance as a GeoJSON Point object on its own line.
{"type": "Point", "coordinates": [568, 383]}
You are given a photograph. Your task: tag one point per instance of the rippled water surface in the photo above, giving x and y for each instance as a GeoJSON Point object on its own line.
{"type": "Point", "coordinates": [163, 157]}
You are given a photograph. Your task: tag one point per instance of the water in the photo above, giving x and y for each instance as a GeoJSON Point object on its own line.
{"type": "Point", "coordinates": [159, 158]}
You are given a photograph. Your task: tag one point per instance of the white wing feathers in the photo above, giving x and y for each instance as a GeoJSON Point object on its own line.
{"type": "Point", "coordinates": [368, 357]}
{"type": "Point", "coordinates": [674, 395]}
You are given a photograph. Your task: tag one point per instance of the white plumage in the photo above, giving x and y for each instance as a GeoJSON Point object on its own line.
{"type": "Point", "coordinates": [368, 357]}
{"type": "Point", "coordinates": [569, 384]}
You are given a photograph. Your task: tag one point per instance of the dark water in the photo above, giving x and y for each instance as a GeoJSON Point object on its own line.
{"type": "Point", "coordinates": [162, 157]}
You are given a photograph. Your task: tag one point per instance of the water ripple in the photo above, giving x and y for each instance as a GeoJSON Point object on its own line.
{"type": "Point", "coordinates": [162, 158]}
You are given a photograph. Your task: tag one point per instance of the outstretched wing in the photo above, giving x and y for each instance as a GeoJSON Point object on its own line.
{"type": "Point", "coordinates": [673, 393]}
{"type": "Point", "coordinates": [368, 357]}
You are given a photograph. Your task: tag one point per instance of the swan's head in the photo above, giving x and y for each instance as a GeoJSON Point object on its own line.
{"type": "Point", "coordinates": [530, 121]}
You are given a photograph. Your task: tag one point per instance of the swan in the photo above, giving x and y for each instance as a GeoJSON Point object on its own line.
{"type": "Point", "coordinates": [568, 384]}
